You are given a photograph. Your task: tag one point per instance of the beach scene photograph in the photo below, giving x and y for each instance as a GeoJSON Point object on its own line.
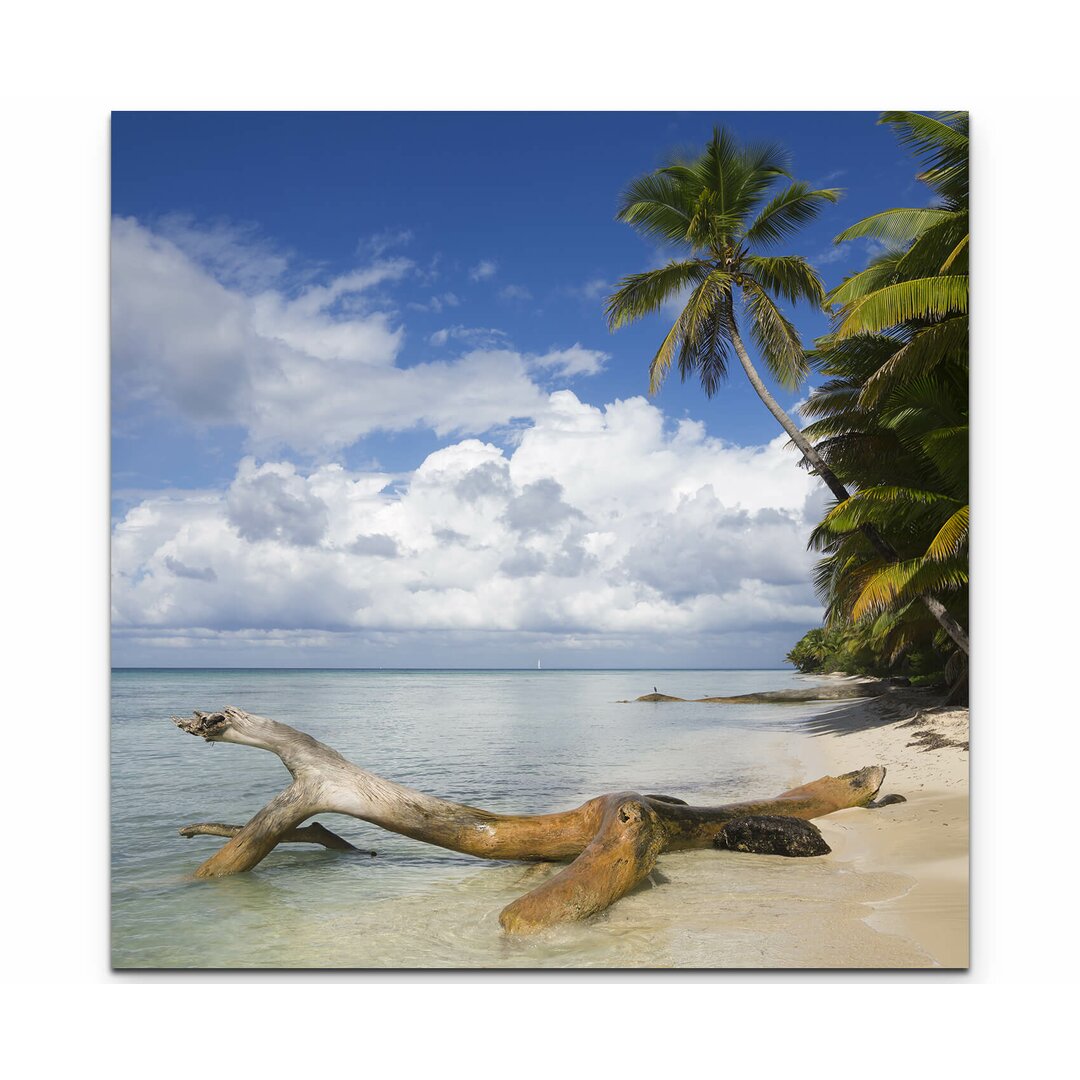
{"type": "Point", "coordinates": [539, 540]}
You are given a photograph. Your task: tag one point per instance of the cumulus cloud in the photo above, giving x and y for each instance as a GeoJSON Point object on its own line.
{"type": "Point", "coordinates": [206, 573]}
{"type": "Point", "coordinates": [312, 366]}
{"type": "Point", "coordinates": [602, 524]}
{"type": "Point", "coordinates": [539, 508]}
{"type": "Point", "coordinates": [377, 544]}
{"type": "Point", "coordinates": [270, 502]}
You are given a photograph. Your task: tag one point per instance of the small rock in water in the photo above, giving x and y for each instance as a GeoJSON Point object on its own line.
{"type": "Point", "coordinates": [763, 834]}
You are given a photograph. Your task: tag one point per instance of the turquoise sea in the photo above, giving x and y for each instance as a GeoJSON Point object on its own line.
{"type": "Point", "coordinates": [510, 741]}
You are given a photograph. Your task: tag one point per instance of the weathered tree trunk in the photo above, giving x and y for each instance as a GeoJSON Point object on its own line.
{"type": "Point", "coordinates": [613, 840]}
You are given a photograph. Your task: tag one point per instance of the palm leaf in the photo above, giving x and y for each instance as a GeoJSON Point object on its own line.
{"type": "Point", "coordinates": [880, 272]}
{"type": "Point", "coordinates": [791, 276]}
{"type": "Point", "coordinates": [661, 362]}
{"type": "Point", "coordinates": [657, 206]}
{"type": "Point", "coordinates": [956, 252]}
{"type": "Point", "coordinates": [899, 226]}
{"type": "Point", "coordinates": [928, 347]}
{"type": "Point", "coordinates": [942, 142]}
{"type": "Point", "coordinates": [775, 337]}
{"type": "Point", "coordinates": [904, 580]}
{"type": "Point", "coordinates": [924, 298]}
{"type": "Point", "coordinates": [642, 294]}
{"type": "Point", "coordinates": [950, 537]}
{"type": "Point", "coordinates": [787, 212]}
{"type": "Point", "coordinates": [936, 245]}
{"type": "Point", "coordinates": [706, 351]}
{"type": "Point", "coordinates": [690, 335]}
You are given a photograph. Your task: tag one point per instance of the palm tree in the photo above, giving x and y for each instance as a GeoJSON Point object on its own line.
{"type": "Point", "coordinates": [910, 308]}
{"type": "Point", "coordinates": [907, 457]}
{"type": "Point", "coordinates": [922, 283]}
{"type": "Point", "coordinates": [715, 209]}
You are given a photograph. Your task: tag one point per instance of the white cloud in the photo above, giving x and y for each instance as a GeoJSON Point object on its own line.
{"type": "Point", "coordinates": [313, 369]}
{"type": "Point", "coordinates": [871, 247]}
{"type": "Point", "coordinates": [836, 253]}
{"type": "Point", "coordinates": [436, 304]}
{"type": "Point", "coordinates": [480, 337]}
{"type": "Point", "coordinates": [602, 524]}
{"type": "Point", "coordinates": [384, 240]}
{"type": "Point", "coordinates": [270, 502]}
{"type": "Point", "coordinates": [235, 254]}
{"type": "Point", "coordinates": [577, 360]}
{"type": "Point", "coordinates": [514, 293]}
{"type": "Point", "coordinates": [483, 270]}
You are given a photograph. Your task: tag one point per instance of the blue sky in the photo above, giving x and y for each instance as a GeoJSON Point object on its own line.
{"type": "Point", "coordinates": [338, 334]}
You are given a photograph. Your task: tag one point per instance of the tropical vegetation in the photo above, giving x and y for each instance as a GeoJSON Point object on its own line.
{"type": "Point", "coordinates": [858, 649]}
{"type": "Point", "coordinates": [889, 425]}
{"type": "Point", "coordinates": [892, 417]}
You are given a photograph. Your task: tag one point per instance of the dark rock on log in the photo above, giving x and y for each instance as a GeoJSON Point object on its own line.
{"type": "Point", "coordinates": [761, 834]}
{"type": "Point", "coordinates": [885, 800]}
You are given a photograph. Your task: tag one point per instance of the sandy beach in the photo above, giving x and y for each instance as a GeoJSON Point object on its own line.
{"type": "Point", "coordinates": [891, 894]}
{"type": "Point", "coordinates": [924, 840]}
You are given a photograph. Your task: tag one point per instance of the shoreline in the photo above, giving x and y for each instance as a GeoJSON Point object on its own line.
{"type": "Point", "coordinates": [924, 748]}
{"type": "Point", "coordinates": [891, 895]}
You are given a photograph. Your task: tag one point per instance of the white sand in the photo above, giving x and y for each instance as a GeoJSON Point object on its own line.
{"type": "Point", "coordinates": [925, 840]}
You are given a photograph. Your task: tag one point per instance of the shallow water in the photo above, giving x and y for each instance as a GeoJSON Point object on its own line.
{"type": "Point", "coordinates": [511, 741]}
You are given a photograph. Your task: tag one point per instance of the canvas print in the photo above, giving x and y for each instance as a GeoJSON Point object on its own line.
{"type": "Point", "coordinates": [539, 540]}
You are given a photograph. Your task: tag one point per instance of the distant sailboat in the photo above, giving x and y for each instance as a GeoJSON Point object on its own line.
{"type": "Point", "coordinates": [537, 665]}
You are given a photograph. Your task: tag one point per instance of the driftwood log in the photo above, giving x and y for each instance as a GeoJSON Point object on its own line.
{"type": "Point", "coordinates": [611, 842]}
{"type": "Point", "coordinates": [842, 692]}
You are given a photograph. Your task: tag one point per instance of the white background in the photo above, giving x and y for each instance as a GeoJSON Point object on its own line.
{"type": "Point", "coordinates": [65, 66]}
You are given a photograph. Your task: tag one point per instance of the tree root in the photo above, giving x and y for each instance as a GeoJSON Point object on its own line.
{"type": "Point", "coordinates": [308, 834]}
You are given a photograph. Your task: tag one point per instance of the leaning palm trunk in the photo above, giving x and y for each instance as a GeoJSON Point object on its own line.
{"type": "Point", "coordinates": [817, 464]}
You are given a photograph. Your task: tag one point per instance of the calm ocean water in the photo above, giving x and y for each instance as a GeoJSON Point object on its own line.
{"type": "Point", "coordinates": [510, 741]}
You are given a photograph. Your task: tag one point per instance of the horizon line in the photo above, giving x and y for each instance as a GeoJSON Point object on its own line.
{"type": "Point", "coordinates": [241, 667]}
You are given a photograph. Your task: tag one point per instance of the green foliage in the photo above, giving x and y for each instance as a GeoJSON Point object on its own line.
{"type": "Point", "coordinates": [935, 679]}
{"type": "Point", "coordinates": [722, 210]}
{"type": "Point", "coordinates": [891, 421]}
{"type": "Point", "coordinates": [857, 649]}
{"type": "Point", "coordinates": [925, 279]}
